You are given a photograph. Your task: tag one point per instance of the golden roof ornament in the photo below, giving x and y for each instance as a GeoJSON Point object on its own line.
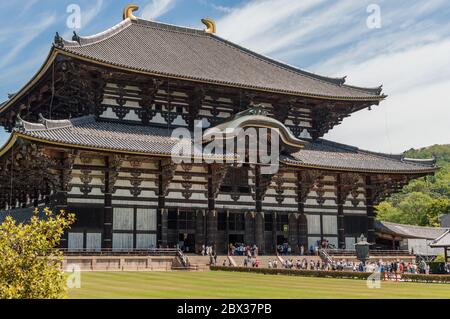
{"type": "Point", "coordinates": [128, 12]}
{"type": "Point", "coordinates": [210, 25]}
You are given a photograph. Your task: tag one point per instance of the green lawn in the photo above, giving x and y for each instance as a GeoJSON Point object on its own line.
{"type": "Point", "coordinates": [216, 284]}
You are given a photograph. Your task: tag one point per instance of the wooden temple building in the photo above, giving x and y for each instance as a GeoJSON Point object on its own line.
{"type": "Point", "coordinates": [91, 133]}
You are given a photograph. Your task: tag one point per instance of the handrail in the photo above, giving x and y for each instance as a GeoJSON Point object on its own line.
{"type": "Point", "coordinates": [184, 258]}
{"type": "Point", "coordinates": [281, 259]}
{"type": "Point", "coordinates": [325, 256]}
{"type": "Point", "coordinates": [232, 261]}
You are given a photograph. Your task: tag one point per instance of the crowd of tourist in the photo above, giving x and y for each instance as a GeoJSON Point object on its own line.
{"type": "Point", "coordinates": [207, 250]}
{"type": "Point", "coordinates": [286, 250]}
{"type": "Point", "coordinates": [388, 269]}
{"type": "Point", "coordinates": [240, 249]}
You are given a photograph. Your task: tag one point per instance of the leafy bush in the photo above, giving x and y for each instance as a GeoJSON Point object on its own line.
{"type": "Point", "coordinates": [426, 278]}
{"type": "Point", "coordinates": [437, 267]}
{"type": "Point", "coordinates": [331, 274]}
{"type": "Point", "coordinates": [439, 258]}
{"type": "Point", "coordinates": [30, 266]}
{"type": "Point", "coordinates": [295, 272]}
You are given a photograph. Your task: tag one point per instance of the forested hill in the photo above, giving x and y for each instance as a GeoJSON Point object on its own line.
{"type": "Point", "coordinates": [424, 200]}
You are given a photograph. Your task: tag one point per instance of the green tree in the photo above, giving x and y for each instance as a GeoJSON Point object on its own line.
{"type": "Point", "coordinates": [438, 207]}
{"type": "Point", "coordinates": [30, 266]}
{"type": "Point", "coordinates": [415, 209]}
{"type": "Point", "coordinates": [389, 213]}
{"type": "Point", "coordinates": [423, 201]}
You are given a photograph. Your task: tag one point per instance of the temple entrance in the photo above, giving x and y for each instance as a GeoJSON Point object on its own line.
{"type": "Point", "coordinates": [235, 239]}
{"type": "Point", "coordinates": [186, 242]}
{"type": "Point", "coordinates": [281, 239]}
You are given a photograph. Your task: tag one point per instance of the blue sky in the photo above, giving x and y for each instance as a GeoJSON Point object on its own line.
{"type": "Point", "coordinates": [409, 53]}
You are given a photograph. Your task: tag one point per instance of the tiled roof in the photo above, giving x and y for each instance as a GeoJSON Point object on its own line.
{"type": "Point", "coordinates": [442, 241]}
{"type": "Point", "coordinates": [192, 54]}
{"type": "Point", "coordinates": [331, 155]}
{"type": "Point", "coordinates": [409, 231]}
{"type": "Point", "coordinates": [111, 136]}
{"type": "Point", "coordinates": [87, 132]}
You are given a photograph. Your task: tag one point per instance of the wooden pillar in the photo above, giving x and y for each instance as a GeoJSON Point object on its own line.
{"type": "Point", "coordinates": [249, 236]}
{"type": "Point", "coordinates": [227, 230]}
{"type": "Point", "coordinates": [134, 227]}
{"type": "Point", "coordinates": [274, 231]}
{"type": "Point", "coordinates": [164, 227]}
{"type": "Point", "coordinates": [258, 191]}
{"type": "Point", "coordinates": [108, 209]}
{"type": "Point", "coordinates": [162, 235]}
{"type": "Point", "coordinates": [211, 215]}
{"type": "Point", "coordinates": [259, 232]}
{"type": "Point", "coordinates": [212, 227]}
{"type": "Point", "coordinates": [259, 215]}
{"type": "Point", "coordinates": [370, 211]}
{"type": "Point", "coordinates": [293, 232]}
{"type": "Point", "coordinates": [61, 197]}
{"type": "Point", "coordinates": [303, 231]}
{"type": "Point", "coordinates": [302, 224]}
{"type": "Point", "coordinates": [340, 211]}
{"type": "Point", "coordinates": [199, 230]}
{"type": "Point", "coordinates": [321, 226]}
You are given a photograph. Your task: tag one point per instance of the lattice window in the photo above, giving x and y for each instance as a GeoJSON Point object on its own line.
{"type": "Point", "coordinates": [236, 222]}
{"type": "Point", "coordinates": [282, 219]}
{"type": "Point", "coordinates": [268, 222]}
{"type": "Point", "coordinates": [236, 181]}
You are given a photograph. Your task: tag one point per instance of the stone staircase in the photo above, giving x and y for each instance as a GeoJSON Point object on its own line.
{"type": "Point", "coordinates": [202, 262]}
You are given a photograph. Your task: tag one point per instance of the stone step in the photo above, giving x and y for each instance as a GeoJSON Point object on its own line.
{"type": "Point", "coordinates": [263, 260]}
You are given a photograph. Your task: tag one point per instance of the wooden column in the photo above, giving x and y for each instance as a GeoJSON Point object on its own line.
{"type": "Point", "coordinates": [274, 231]}
{"type": "Point", "coordinates": [162, 212]}
{"type": "Point", "coordinates": [301, 198]}
{"type": "Point", "coordinates": [340, 211]}
{"type": "Point", "coordinates": [227, 230]}
{"type": "Point", "coordinates": [211, 214]}
{"type": "Point", "coordinates": [212, 227]}
{"type": "Point", "coordinates": [108, 209]}
{"type": "Point", "coordinates": [303, 231]}
{"type": "Point", "coordinates": [259, 215]}
{"type": "Point", "coordinates": [164, 227]}
{"type": "Point", "coordinates": [61, 194]}
{"type": "Point", "coordinates": [249, 236]}
{"type": "Point", "coordinates": [258, 191]}
{"type": "Point", "coordinates": [370, 211]}
{"type": "Point", "coordinates": [259, 231]}
{"type": "Point", "coordinates": [199, 230]}
{"type": "Point", "coordinates": [293, 232]}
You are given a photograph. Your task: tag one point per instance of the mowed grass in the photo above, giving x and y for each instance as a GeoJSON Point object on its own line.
{"type": "Point", "coordinates": [223, 285]}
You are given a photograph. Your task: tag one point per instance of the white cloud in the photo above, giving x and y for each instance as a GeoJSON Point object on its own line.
{"type": "Point", "coordinates": [29, 4]}
{"type": "Point", "coordinates": [91, 13]}
{"type": "Point", "coordinates": [25, 37]}
{"type": "Point", "coordinates": [409, 55]}
{"type": "Point", "coordinates": [416, 112]}
{"type": "Point", "coordinates": [157, 8]}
